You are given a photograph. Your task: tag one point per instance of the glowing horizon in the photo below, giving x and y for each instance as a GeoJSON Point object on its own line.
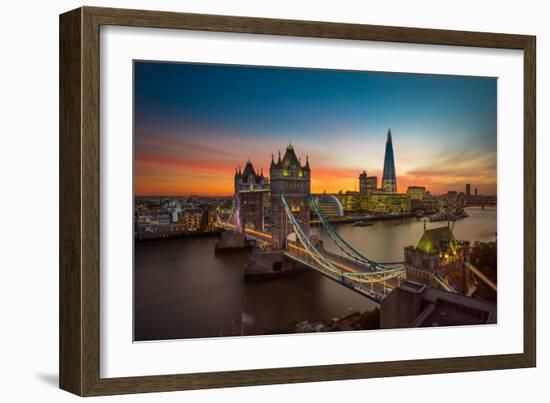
{"type": "Point", "coordinates": [196, 123]}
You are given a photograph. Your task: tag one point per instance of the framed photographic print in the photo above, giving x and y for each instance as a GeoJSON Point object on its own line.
{"type": "Point", "coordinates": [251, 201]}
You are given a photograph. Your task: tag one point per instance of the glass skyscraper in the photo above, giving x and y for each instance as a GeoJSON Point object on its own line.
{"type": "Point", "coordinates": [389, 183]}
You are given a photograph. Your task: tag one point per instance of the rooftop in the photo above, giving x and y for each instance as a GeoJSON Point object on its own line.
{"type": "Point", "coordinates": [443, 308]}
{"type": "Point", "coordinates": [289, 161]}
{"type": "Point", "coordinates": [433, 238]}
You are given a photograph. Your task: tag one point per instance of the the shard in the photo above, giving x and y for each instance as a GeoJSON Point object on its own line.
{"type": "Point", "coordinates": [389, 183]}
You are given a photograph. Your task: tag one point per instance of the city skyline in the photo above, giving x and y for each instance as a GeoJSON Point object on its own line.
{"type": "Point", "coordinates": [194, 124]}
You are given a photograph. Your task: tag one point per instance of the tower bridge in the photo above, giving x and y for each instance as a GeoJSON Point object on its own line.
{"type": "Point", "coordinates": [287, 244]}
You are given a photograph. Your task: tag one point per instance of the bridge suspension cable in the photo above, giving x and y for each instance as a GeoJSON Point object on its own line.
{"type": "Point", "coordinates": [357, 277]}
{"type": "Point", "coordinates": [482, 276]}
{"type": "Point", "coordinates": [305, 241]}
{"type": "Point", "coordinates": [346, 247]}
{"type": "Point", "coordinates": [441, 281]}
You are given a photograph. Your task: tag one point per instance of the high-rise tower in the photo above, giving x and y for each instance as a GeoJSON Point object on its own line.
{"type": "Point", "coordinates": [367, 184]}
{"type": "Point", "coordinates": [363, 183]}
{"type": "Point", "coordinates": [389, 183]}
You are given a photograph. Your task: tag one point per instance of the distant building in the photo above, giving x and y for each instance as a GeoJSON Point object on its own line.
{"type": "Point", "coordinates": [151, 221]}
{"type": "Point", "coordinates": [452, 195]}
{"type": "Point", "coordinates": [367, 184]}
{"type": "Point", "coordinates": [412, 304]}
{"type": "Point", "coordinates": [350, 201]}
{"type": "Point", "coordinates": [421, 200]}
{"type": "Point", "coordinates": [159, 219]}
{"type": "Point", "coordinates": [429, 205]}
{"type": "Point", "coordinates": [416, 192]}
{"type": "Point", "coordinates": [468, 190]}
{"type": "Point", "coordinates": [386, 203]}
{"type": "Point", "coordinates": [193, 219]}
{"type": "Point", "coordinates": [329, 205]}
{"type": "Point", "coordinates": [172, 205]}
{"type": "Point", "coordinates": [389, 182]}
{"type": "Point", "coordinates": [363, 183]}
{"type": "Point", "coordinates": [174, 217]}
{"type": "Point", "coordinates": [372, 183]}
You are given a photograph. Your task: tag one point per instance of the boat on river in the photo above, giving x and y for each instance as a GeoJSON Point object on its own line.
{"type": "Point", "coordinates": [362, 223]}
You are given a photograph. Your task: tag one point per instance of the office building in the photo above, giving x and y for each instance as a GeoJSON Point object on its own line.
{"type": "Point", "coordinates": [416, 192]}
{"type": "Point", "coordinates": [386, 203]}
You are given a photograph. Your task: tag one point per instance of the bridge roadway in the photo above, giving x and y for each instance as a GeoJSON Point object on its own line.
{"type": "Point", "coordinates": [371, 290]}
{"type": "Point", "coordinates": [257, 235]}
{"type": "Point", "coordinates": [374, 290]}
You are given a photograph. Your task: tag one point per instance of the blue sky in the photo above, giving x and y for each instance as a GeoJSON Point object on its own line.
{"type": "Point", "coordinates": [193, 122]}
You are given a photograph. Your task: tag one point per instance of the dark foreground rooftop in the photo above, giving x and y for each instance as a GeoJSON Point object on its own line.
{"type": "Point", "coordinates": [416, 305]}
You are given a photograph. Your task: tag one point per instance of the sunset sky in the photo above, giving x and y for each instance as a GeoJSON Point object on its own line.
{"type": "Point", "coordinates": [195, 123]}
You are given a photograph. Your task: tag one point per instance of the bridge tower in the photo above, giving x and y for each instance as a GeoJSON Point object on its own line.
{"type": "Point", "coordinates": [289, 177]}
{"type": "Point", "coordinates": [251, 187]}
{"type": "Point", "coordinates": [438, 251]}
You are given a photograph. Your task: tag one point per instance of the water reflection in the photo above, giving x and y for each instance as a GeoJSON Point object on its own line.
{"type": "Point", "coordinates": [183, 290]}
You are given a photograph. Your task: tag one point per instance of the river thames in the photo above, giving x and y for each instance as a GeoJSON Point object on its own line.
{"type": "Point", "coordinates": [183, 290]}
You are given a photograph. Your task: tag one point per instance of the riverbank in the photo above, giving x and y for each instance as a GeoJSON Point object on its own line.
{"type": "Point", "coordinates": [366, 217]}
{"type": "Point", "coordinates": [368, 320]}
{"type": "Point", "coordinates": [183, 290]}
{"type": "Point", "coordinates": [175, 235]}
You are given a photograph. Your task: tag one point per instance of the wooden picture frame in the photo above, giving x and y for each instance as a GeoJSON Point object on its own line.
{"type": "Point", "coordinates": [79, 200]}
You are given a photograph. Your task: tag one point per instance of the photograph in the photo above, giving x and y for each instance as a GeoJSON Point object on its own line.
{"type": "Point", "coordinates": [271, 200]}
